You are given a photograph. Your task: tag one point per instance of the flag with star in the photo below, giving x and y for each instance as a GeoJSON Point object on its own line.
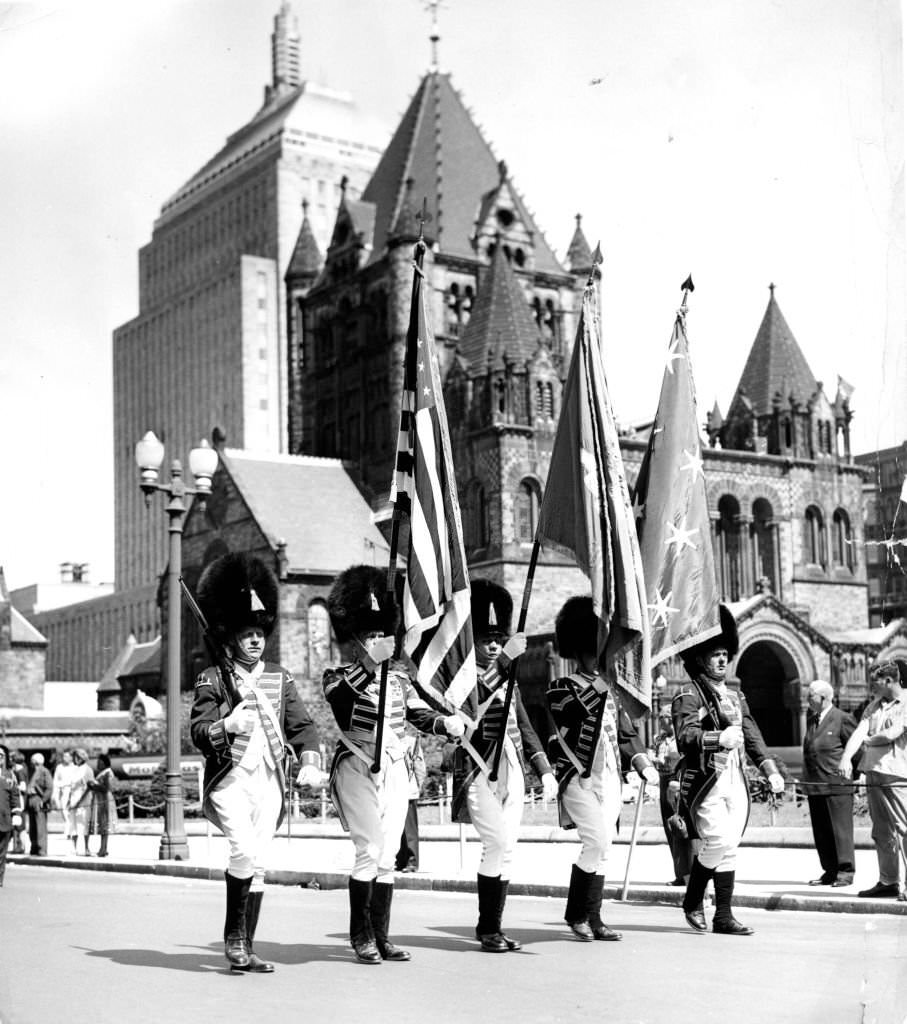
{"type": "Point", "coordinates": [436, 608]}
{"type": "Point", "coordinates": [586, 513]}
{"type": "Point", "coordinates": [672, 513]}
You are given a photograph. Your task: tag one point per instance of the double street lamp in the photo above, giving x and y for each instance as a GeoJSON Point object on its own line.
{"type": "Point", "coordinates": [149, 455]}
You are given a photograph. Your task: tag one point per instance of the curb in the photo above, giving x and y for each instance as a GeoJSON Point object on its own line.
{"type": "Point", "coordinates": [643, 894]}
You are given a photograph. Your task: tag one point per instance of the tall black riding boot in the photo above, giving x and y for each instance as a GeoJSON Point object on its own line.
{"type": "Point", "coordinates": [724, 922]}
{"type": "Point", "coordinates": [488, 929]}
{"type": "Point", "coordinates": [594, 916]}
{"type": "Point", "coordinates": [577, 911]}
{"type": "Point", "coordinates": [362, 938]}
{"type": "Point", "coordinates": [512, 944]}
{"type": "Point", "coordinates": [253, 909]}
{"type": "Point", "coordinates": [382, 898]}
{"type": "Point", "coordinates": [235, 948]}
{"type": "Point", "coordinates": [692, 899]}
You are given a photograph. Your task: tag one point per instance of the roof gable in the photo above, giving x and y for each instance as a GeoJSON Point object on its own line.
{"type": "Point", "coordinates": [775, 365]}
{"type": "Point", "coordinates": [311, 505]}
{"type": "Point", "coordinates": [439, 147]}
{"type": "Point", "coordinates": [501, 325]}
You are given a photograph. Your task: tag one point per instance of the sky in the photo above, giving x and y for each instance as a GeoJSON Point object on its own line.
{"type": "Point", "coordinates": [745, 142]}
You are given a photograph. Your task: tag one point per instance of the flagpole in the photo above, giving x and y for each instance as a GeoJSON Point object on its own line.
{"type": "Point", "coordinates": [408, 384]}
{"type": "Point", "coordinates": [511, 672]}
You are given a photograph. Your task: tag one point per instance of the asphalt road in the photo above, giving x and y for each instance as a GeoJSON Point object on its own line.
{"type": "Point", "coordinates": [96, 947]}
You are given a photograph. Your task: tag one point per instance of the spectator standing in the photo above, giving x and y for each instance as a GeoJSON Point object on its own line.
{"type": "Point", "coordinates": [38, 793]}
{"type": "Point", "coordinates": [883, 733]}
{"type": "Point", "coordinates": [408, 854]}
{"type": "Point", "coordinates": [830, 797]}
{"type": "Point", "coordinates": [10, 806]}
{"type": "Point", "coordinates": [103, 804]}
{"type": "Point", "coordinates": [17, 765]}
{"type": "Point", "coordinates": [63, 774]}
{"type": "Point", "coordinates": [80, 799]}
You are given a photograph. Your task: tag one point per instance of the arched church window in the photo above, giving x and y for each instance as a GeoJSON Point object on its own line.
{"type": "Point", "coordinates": [788, 436]}
{"type": "Point", "coordinates": [500, 391]}
{"type": "Point", "coordinates": [519, 258]}
{"type": "Point", "coordinates": [814, 537]}
{"type": "Point", "coordinates": [544, 400]}
{"type": "Point", "coordinates": [764, 542]}
{"type": "Point", "coordinates": [842, 548]}
{"type": "Point", "coordinates": [730, 570]}
{"type": "Point", "coordinates": [320, 648]}
{"type": "Point", "coordinates": [526, 511]}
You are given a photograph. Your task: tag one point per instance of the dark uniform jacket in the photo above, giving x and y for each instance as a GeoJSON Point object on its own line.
{"type": "Point", "coordinates": [10, 799]}
{"type": "Point", "coordinates": [698, 722]}
{"type": "Point", "coordinates": [822, 750]}
{"type": "Point", "coordinates": [484, 739]}
{"type": "Point", "coordinates": [206, 725]}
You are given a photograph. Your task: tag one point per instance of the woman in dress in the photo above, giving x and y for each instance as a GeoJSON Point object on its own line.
{"type": "Point", "coordinates": [103, 805]}
{"type": "Point", "coordinates": [80, 799]}
{"type": "Point", "coordinates": [63, 774]}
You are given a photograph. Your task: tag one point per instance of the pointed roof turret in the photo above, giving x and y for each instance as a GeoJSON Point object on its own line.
{"type": "Point", "coordinates": [306, 259]}
{"type": "Point", "coordinates": [438, 145]}
{"type": "Point", "coordinates": [776, 365]}
{"type": "Point", "coordinates": [579, 255]}
{"type": "Point", "coordinates": [501, 322]}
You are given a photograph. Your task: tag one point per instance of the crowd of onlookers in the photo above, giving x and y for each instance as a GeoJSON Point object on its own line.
{"type": "Point", "coordinates": [83, 795]}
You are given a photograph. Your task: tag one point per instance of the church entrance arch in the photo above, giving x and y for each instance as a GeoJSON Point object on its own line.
{"type": "Point", "coordinates": [770, 681]}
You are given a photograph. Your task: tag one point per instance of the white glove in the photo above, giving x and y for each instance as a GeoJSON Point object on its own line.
{"type": "Point", "coordinates": [731, 737]}
{"type": "Point", "coordinates": [241, 719]}
{"type": "Point", "coordinates": [776, 781]}
{"type": "Point", "coordinates": [650, 775]}
{"type": "Point", "coordinates": [309, 775]}
{"type": "Point", "coordinates": [16, 820]}
{"type": "Point", "coordinates": [377, 650]}
{"type": "Point", "coordinates": [549, 787]}
{"type": "Point", "coordinates": [514, 647]}
{"type": "Point", "coordinates": [454, 726]}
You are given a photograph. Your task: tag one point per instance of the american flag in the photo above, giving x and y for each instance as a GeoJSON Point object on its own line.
{"type": "Point", "coordinates": [671, 506]}
{"type": "Point", "coordinates": [586, 512]}
{"type": "Point", "coordinates": [436, 606]}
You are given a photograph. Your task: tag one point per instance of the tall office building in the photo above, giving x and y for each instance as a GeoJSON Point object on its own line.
{"type": "Point", "coordinates": [208, 348]}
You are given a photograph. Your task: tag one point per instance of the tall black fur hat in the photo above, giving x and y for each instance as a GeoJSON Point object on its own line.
{"type": "Point", "coordinates": [492, 608]}
{"type": "Point", "coordinates": [237, 591]}
{"type": "Point", "coordinates": [359, 603]}
{"type": "Point", "coordinates": [727, 638]}
{"type": "Point", "coordinates": [576, 627]}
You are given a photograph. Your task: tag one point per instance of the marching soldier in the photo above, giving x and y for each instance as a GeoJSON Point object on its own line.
{"type": "Point", "coordinates": [592, 731]}
{"type": "Point", "coordinates": [243, 724]}
{"type": "Point", "coordinates": [496, 808]}
{"type": "Point", "coordinates": [372, 806]}
{"type": "Point", "coordinates": [714, 730]}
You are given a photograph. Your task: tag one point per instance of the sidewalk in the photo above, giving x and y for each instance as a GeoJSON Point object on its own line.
{"type": "Point", "coordinates": [773, 864]}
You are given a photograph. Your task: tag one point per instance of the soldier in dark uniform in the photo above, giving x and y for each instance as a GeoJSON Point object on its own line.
{"type": "Point", "coordinates": [714, 730]}
{"type": "Point", "coordinates": [243, 725]}
{"type": "Point", "coordinates": [496, 808]}
{"type": "Point", "coordinates": [592, 732]}
{"type": "Point", "coordinates": [372, 806]}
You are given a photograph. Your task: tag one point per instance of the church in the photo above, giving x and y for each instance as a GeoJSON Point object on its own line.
{"type": "Point", "coordinates": [287, 261]}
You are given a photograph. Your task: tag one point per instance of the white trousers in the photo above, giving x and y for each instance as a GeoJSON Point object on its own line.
{"type": "Point", "coordinates": [721, 819]}
{"type": "Point", "coordinates": [496, 810]}
{"type": "Point", "coordinates": [248, 802]}
{"type": "Point", "coordinates": [374, 808]}
{"type": "Point", "coordinates": [595, 811]}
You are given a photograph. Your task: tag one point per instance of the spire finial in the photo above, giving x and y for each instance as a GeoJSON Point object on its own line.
{"type": "Point", "coordinates": [305, 207]}
{"type": "Point", "coordinates": [435, 37]}
{"type": "Point", "coordinates": [344, 181]}
{"type": "Point", "coordinates": [579, 219]}
{"type": "Point", "coordinates": [771, 289]}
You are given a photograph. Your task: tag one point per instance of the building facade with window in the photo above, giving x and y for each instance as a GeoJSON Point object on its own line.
{"type": "Point", "coordinates": [886, 532]}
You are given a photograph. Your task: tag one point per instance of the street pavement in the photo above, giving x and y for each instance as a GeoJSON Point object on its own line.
{"type": "Point", "coordinates": [98, 947]}
{"type": "Point", "coordinates": [774, 864]}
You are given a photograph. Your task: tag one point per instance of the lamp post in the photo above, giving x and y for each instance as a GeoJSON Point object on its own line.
{"type": "Point", "coordinates": [149, 454]}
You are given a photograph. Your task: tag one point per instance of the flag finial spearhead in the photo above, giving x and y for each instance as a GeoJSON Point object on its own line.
{"type": "Point", "coordinates": [597, 260]}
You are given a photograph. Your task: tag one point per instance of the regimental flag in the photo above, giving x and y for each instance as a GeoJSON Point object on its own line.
{"type": "Point", "coordinates": [586, 512]}
{"type": "Point", "coordinates": [672, 512]}
{"type": "Point", "coordinates": [436, 607]}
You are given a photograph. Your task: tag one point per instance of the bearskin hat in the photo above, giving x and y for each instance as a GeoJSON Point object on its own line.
{"type": "Point", "coordinates": [359, 603]}
{"type": "Point", "coordinates": [727, 638]}
{"type": "Point", "coordinates": [238, 591]}
{"type": "Point", "coordinates": [492, 608]}
{"type": "Point", "coordinates": [576, 627]}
